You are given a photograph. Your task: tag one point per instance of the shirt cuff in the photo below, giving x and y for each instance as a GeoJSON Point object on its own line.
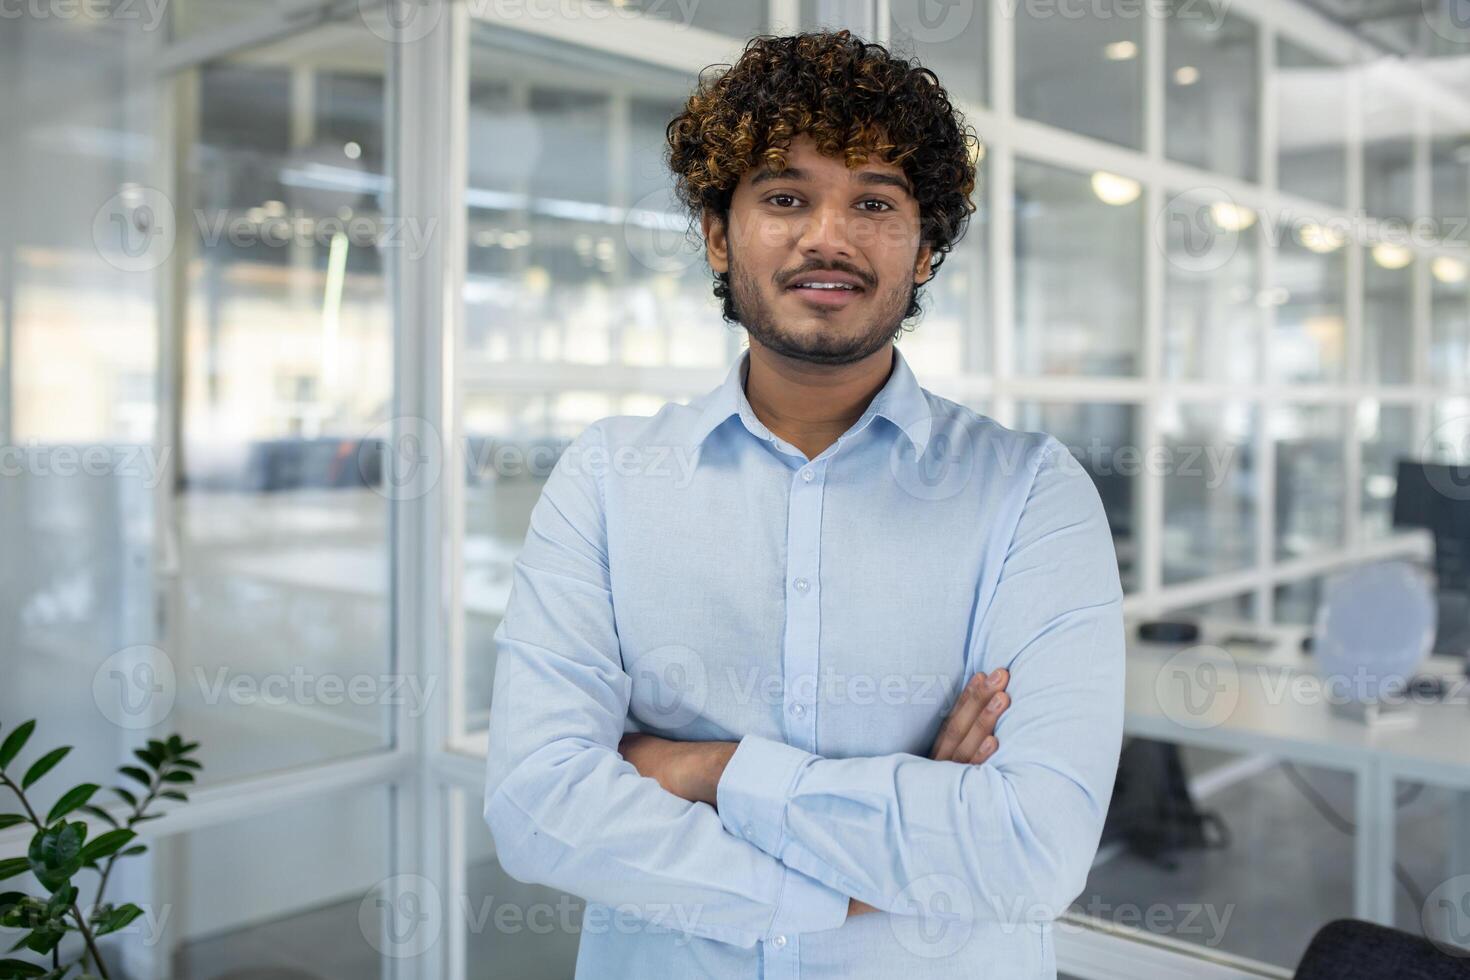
{"type": "Point", "coordinates": [806, 905]}
{"type": "Point", "coordinates": [752, 792]}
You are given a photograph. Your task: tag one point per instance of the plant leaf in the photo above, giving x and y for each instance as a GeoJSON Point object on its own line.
{"type": "Point", "coordinates": [72, 799]}
{"type": "Point", "coordinates": [173, 794]}
{"type": "Point", "coordinates": [136, 773]}
{"type": "Point", "coordinates": [100, 814]}
{"type": "Point", "coordinates": [189, 763]}
{"type": "Point", "coordinates": [15, 741]}
{"type": "Point", "coordinates": [55, 855]}
{"type": "Point", "coordinates": [151, 758]}
{"type": "Point", "coordinates": [119, 918]}
{"type": "Point", "coordinates": [109, 843]}
{"type": "Point", "coordinates": [10, 820]}
{"type": "Point", "coordinates": [127, 796]}
{"type": "Point", "coordinates": [43, 765]}
{"type": "Point", "coordinates": [135, 849]}
{"type": "Point", "coordinates": [11, 969]}
{"type": "Point", "coordinates": [10, 867]}
{"type": "Point", "coordinates": [178, 776]}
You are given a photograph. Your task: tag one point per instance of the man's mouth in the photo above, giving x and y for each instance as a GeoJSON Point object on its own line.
{"type": "Point", "coordinates": [827, 290]}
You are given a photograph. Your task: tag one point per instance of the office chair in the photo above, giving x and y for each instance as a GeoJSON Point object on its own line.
{"type": "Point", "coordinates": [1350, 949]}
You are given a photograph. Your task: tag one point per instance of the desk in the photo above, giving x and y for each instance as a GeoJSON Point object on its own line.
{"type": "Point", "coordinates": [1267, 701]}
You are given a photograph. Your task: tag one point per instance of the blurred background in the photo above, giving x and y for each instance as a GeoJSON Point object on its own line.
{"type": "Point", "coordinates": [299, 301]}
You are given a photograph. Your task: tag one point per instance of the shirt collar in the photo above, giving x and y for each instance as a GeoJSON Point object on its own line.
{"type": "Point", "coordinates": [901, 401]}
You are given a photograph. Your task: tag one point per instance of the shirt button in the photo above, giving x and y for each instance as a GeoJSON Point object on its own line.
{"type": "Point", "coordinates": [779, 941]}
{"type": "Point", "coordinates": [806, 475]}
{"type": "Point", "coordinates": [798, 709]}
{"type": "Point", "coordinates": [748, 831]}
{"type": "Point", "coordinates": [801, 585]}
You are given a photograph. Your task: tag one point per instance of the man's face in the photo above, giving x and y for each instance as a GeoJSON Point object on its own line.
{"type": "Point", "coordinates": [823, 260]}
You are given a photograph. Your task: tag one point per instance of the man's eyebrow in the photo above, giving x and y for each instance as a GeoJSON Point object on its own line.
{"type": "Point", "coordinates": [766, 175]}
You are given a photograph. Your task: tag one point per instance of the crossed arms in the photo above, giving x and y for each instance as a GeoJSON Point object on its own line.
{"type": "Point", "coordinates": [1017, 833]}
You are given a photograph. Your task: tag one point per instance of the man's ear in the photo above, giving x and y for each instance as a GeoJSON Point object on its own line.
{"type": "Point", "coordinates": [716, 244]}
{"type": "Point", "coordinates": [922, 271]}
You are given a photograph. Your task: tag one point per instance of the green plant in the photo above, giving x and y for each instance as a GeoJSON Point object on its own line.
{"type": "Point", "coordinates": [60, 850]}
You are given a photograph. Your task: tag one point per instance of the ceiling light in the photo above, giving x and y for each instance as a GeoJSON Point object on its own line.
{"type": "Point", "coordinates": [1391, 256]}
{"type": "Point", "coordinates": [1115, 190]}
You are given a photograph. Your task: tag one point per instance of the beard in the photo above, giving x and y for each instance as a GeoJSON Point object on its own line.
{"type": "Point", "coordinates": [818, 346]}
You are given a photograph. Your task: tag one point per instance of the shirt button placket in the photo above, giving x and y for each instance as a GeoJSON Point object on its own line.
{"type": "Point", "coordinates": [803, 605]}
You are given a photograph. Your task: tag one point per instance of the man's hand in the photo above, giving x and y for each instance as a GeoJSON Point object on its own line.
{"type": "Point", "coordinates": [689, 770]}
{"type": "Point", "coordinates": [968, 734]}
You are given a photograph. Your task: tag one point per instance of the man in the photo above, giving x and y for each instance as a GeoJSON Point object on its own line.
{"type": "Point", "coordinates": [725, 706]}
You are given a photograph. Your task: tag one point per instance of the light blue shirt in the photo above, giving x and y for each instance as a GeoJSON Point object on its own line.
{"type": "Point", "coordinates": [694, 576]}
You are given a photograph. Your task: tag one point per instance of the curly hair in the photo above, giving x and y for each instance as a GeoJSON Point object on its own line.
{"type": "Point", "coordinates": [854, 99]}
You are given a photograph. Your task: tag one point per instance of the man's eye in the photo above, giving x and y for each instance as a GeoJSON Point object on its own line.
{"type": "Point", "coordinates": [780, 197]}
{"type": "Point", "coordinates": [883, 205]}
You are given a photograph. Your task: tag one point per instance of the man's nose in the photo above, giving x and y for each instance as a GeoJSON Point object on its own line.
{"type": "Point", "coordinates": [826, 233]}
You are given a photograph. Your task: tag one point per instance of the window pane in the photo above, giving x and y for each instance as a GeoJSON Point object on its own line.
{"type": "Point", "coordinates": [1388, 315]}
{"type": "Point", "coordinates": [1212, 316]}
{"type": "Point", "coordinates": [1227, 898]}
{"type": "Point", "coordinates": [1311, 125]}
{"type": "Point", "coordinates": [1240, 608]}
{"type": "Point", "coordinates": [287, 388]}
{"type": "Point", "coordinates": [1310, 288]}
{"type": "Point", "coordinates": [1449, 174]}
{"type": "Point", "coordinates": [78, 345]}
{"type": "Point", "coordinates": [1295, 603]}
{"type": "Point", "coordinates": [951, 39]}
{"type": "Point", "coordinates": [1209, 489]}
{"type": "Point", "coordinates": [1309, 443]}
{"type": "Point", "coordinates": [953, 334]}
{"type": "Point", "coordinates": [1081, 68]}
{"type": "Point", "coordinates": [1388, 153]}
{"type": "Point", "coordinates": [1449, 338]}
{"type": "Point", "coordinates": [1386, 435]}
{"type": "Point", "coordinates": [1105, 441]}
{"type": "Point", "coordinates": [570, 263]}
{"type": "Point", "coordinates": [1212, 108]}
{"type": "Point", "coordinates": [739, 18]}
{"type": "Point", "coordinates": [297, 891]}
{"type": "Point", "coordinates": [1079, 273]}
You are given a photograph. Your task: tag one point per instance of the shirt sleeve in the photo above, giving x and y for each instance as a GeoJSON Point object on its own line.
{"type": "Point", "coordinates": [1014, 838]}
{"type": "Point", "coordinates": [565, 809]}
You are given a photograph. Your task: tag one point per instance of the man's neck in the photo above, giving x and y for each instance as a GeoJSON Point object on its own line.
{"type": "Point", "coordinates": [810, 405]}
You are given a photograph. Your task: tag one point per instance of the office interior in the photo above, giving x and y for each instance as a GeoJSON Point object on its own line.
{"type": "Point", "coordinates": [1221, 250]}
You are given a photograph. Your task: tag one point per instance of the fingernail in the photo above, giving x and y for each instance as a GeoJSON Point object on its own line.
{"type": "Point", "coordinates": [996, 678]}
{"type": "Point", "coordinates": [989, 744]}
